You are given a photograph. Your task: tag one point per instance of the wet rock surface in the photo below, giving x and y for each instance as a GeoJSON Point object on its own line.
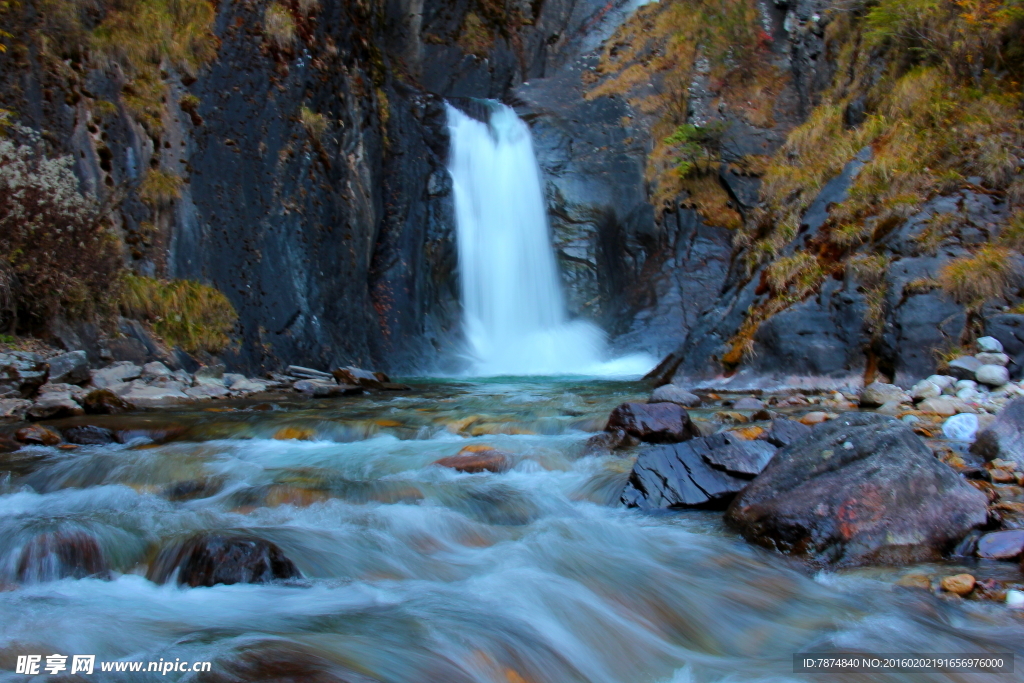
{"type": "Point", "coordinates": [699, 473]}
{"type": "Point", "coordinates": [208, 560]}
{"type": "Point", "coordinates": [653, 422]}
{"type": "Point", "coordinates": [60, 555]}
{"type": "Point", "coordinates": [862, 488]}
{"type": "Point", "coordinates": [1005, 438]}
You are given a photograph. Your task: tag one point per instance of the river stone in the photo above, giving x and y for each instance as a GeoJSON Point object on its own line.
{"type": "Point", "coordinates": [673, 393]}
{"type": "Point", "coordinates": [653, 422]}
{"type": "Point", "coordinates": [860, 489]}
{"type": "Point", "coordinates": [944, 406]}
{"type": "Point", "coordinates": [683, 475]}
{"type": "Point", "coordinates": [89, 435]}
{"type": "Point", "coordinates": [204, 392]}
{"type": "Point", "coordinates": [993, 375]}
{"type": "Point", "coordinates": [964, 367]}
{"type": "Point", "coordinates": [60, 555]}
{"type": "Point", "coordinates": [960, 584]}
{"type": "Point", "coordinates": [879, 393]}
{"type": "Point", "coordinates": [1001, 545]}
{"type": "Point", "coordinates": [72, 368]}
{"type": "Point", "coordinates": [942, 381]}
{"type": "Point", "coordinates": [323, 389]}
{"type": "Point", "coordinates": [38, 435]}
{"type": "Point", "coordinates": [115, 373]}
{"type": "Point", "coordinates": [784, 431]}
{"type": "Point", "coordinates": [212, 371]}
{"type": "Point", "coordinates": [156, 369]}
{"type": "Point", "coordinates": [210, 559]}
{"type": "Point", "coordinates": [105, 402]}
{"type": "Point", "coordinates": [476, 460]}
{"type": "Point", "coordinates": [1004, 438]}
{"type": "Point", "coordinates": [54, 406]}
{"type": "Point", "coordinates": [248, 386]}
{"type": "Point", "coordinates": [744, 459]}
{"type": "Point", "coordinates": [989, 345]}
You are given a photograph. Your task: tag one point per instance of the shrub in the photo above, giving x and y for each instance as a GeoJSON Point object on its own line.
{"type": "Point", "coordinates": [58, 257]}
{"type": "Point", "coordinates": [185, 313]}
{"type": "Point", "coordinates": [159, 188]}
{"type": "Point", "coordinates": [973, 280]}
{"type": "Point", "coordinates": [279, 26]}
{"type": "Point", "coordinates": [314, 123]}
{"type": "Point", "coordinates": [476, 38]}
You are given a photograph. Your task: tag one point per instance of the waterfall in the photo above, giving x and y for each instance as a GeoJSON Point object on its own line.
{"type": "Point", "coordinates": [515, 317]}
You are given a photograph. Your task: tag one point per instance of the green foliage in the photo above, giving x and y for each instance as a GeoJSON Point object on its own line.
{"type": "Point", "coordinates": [314, 123]}
{"type": "Point", "coordinates": [696, 146]}
{"type": "Point", "coordinates": [185, 313]}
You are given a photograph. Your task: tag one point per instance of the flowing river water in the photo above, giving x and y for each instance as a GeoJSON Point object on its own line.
{"type": "Point", "coordinates": [412, 572]}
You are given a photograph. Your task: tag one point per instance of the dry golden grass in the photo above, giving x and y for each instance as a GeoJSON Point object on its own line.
{"type": "Point", "coordinates": [159, 187]}
{"type": "Point", "coordinates": [279, 26]}
{"type": "Point", "coordinates": [476, 37]}
{"type": "Point", "coordinates": [184, 313]}
{"type": "Point", "coordinates": [973, 280]}
{"type": "Point", "coordinates": [314, 122]}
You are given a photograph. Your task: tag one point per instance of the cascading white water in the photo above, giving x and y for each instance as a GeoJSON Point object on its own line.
{"type": "Point", "coordinates": [515, 316]}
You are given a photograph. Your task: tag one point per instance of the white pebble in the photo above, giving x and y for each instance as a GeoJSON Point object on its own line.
{"type": "Point", "coordinates": [962, 427]}
{"type": "Point", "coordinates": [1015, 599]}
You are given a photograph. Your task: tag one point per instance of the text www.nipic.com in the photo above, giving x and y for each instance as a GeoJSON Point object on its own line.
{"type": "Point", "coordinates": [32, 665]}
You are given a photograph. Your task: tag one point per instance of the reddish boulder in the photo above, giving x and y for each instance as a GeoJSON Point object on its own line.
{"type": "Point", "coordinates": [475, 459]}
{"type": "Point", "coordinates": [61, 555]}
{"type": "Point", "coordinates": [209, 559]}
{"type": "Point", "coordinates": [38, 435]}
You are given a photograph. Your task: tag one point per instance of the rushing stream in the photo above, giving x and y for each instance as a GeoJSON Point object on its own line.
{"type": "Point", "coordinates": [412, 572]}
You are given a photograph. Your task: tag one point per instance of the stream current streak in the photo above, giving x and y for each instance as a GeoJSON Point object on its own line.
{"type": "Point", "coordinates": [515, 317]}
{"type": "Point", "coordinates": [413, 573]}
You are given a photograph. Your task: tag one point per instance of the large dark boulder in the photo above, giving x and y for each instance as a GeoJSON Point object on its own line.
{"type": "Point", "coordinates": [653, 422]}
{"type": "Point", "coordinates": [705, 472]}
{"type": "Point", "coordinates": [859, 489]}
{"type": "Point", "coordinates": [1005, 437]}
{"type": "Point", "coordinates": [209, 559]}
{"type": "Point", "coordinates": [69, 368]}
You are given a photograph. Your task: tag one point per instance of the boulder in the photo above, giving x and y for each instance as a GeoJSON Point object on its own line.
{"type": "Point", "coordinates": [699, 473]}
{"type": "Point", "coordinates": [993, 358]}
{"type": "Point", "coordinates": [673, 393]}
{"type": "Point", "coordinates": [964, 367]}
{"type": "Point", "coordinates": [115, 373]}
{"type": "Point", "coordinates": [879, 393]}
{"type": "Point", "coordinates": [1002, 545]}
{"type": "Point", "coordinates": [105, 402]}
{"type": "Point", "coordinates": [308, 373]}
{"type": "Point", "coordinates": [210, 559]}
{"type": "Point", "coordinates": [609, 441]}
{"type": "Point", "coordinates": [89, 435]}
{"type": "Point", "coordinates": [155, 369]}
{"type": "Point", "coordinates": [942, 381]}
{"type": "Point", "coordinates": [38, 436]}
{"type": "Point", "coordinates": [1004, 438]}
{"type": "Point", "coordinates": [156, 397]}
{"type": "Point", "coordinates": [14, 408]}
{"type": "Point", "coordinates": [653, 422]}
{"type": "Point", "coordinates": [70, 368]}
{"type": "Point", "coordinates": [212, 371]}
{"type": "Point", "coordinates": [960, 584]}
{"type": "Point", "coordinates": [993, 375]}
{"type": "Point", "coordinates": [54, 406]}
{"type": "Point", "coordinates": [862, 488]}
{"type": "Point", "coordinates": [357, 376]}
{"type": "Point", "coordinates": [60, 555]}
{"type": "Point", "coordinates": [21, 374]}
{"type": "Point", "coordinates": [783, 432]}
{"type": "Point", "coordinates": [232, 377]}
{"type": "Point", "coordinates": [989, 345]}
{"type": "Point", "coordinates": [323, 389]}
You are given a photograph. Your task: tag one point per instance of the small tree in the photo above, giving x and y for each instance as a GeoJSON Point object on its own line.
{"type": "Point", "coordinates": [56, 254]}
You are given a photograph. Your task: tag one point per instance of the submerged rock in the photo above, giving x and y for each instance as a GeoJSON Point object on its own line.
{"type": "Point", "coordinates": [860, 489]}
{"type": "Point", "coordinates": [89, 435]}
{"type": "Point", "coordinates": [474, 459]}
{"type": "Point", "coordinates": [653, 422]}
{"type": "Point", "coordinates": [210, 559]}
{"type": "Point", "coordinates": [1004, 439]}
{"type": "Point", "coordinates": [61, 555]}
{"type": "Point", "coordinates": [701, 472]}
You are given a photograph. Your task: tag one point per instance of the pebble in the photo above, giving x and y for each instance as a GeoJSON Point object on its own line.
{"type": "Point", "coordinates": [960, 584]}
{"type": "Point", "coordinates": [1015, 599]}
{"type": "Point", "coordinates": [963, 427]}
{"type": "Point", "coordinates": [815, 418]}
{"type": "Point", "coordinates": [993, 358]}
{"type": "Point", "coordinates": [993, 375]}
{"type": "Point", "coordinates": [915, 581]}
